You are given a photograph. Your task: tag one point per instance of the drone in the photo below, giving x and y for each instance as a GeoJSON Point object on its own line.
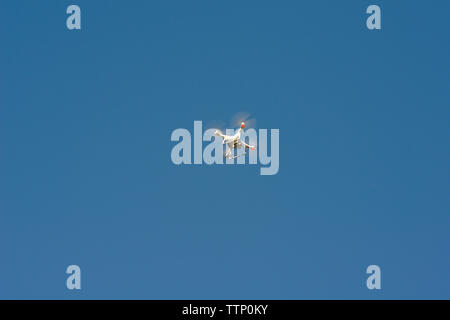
{"type": "Point", "coordinates": [234, 142]}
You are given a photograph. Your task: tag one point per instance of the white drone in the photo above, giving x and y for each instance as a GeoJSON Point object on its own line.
{"type": "Point", "coordinates": [234, 142]}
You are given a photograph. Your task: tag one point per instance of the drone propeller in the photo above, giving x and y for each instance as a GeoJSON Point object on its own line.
{"type": "Point", "coordinates": [243, 117]}
{"type": "Point", "coordinates": [240, 119]}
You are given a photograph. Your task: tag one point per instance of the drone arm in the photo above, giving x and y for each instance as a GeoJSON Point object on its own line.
{"type": "Point", "coordinates": [247, 146]}
{"type": "Point", "coordinates": [219, 134]}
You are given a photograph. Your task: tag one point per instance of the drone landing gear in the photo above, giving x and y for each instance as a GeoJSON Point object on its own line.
{"type": "Point", "coordinates": [237, 156]}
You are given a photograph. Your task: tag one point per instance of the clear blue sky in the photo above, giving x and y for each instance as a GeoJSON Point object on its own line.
{"type": "Point", "coordinates": [85, 170]}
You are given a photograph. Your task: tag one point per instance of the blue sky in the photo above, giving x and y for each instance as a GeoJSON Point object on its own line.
{"type": "Point", "coordinates": [86, 176]}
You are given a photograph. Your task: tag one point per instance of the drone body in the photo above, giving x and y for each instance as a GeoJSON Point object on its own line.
{"type": "Point", "coordinates": [234, 142]}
